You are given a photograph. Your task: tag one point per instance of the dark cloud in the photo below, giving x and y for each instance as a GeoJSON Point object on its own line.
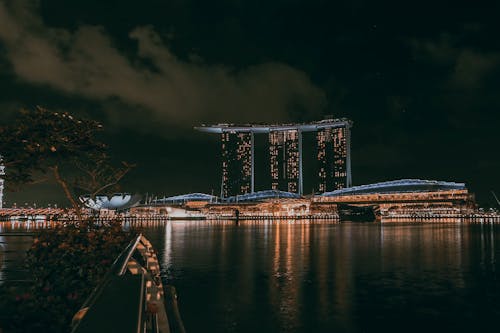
{"type": "Point", "coordinates": [473, 67]}
{"type": "Point", "coordinates": [469, 66]}
{"type": "Point", "coordinates": [420, 80]}
{"type": "Point", "coordinates": [85, 62]}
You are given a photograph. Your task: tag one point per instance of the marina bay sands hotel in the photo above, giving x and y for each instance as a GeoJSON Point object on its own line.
{"type": "Point", "coordinates": [285, 153]}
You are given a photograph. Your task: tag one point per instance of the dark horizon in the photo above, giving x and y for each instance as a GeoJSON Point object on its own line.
{"type": "Point", "coordinates": [419, 80]}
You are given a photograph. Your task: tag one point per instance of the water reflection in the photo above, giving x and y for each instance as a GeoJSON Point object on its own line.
{"type": "Point", "coordinates": [25, 226]}
{"type": "Point", "coordinates": [320, 277]}
{"type": "Point", "coordinates": [15, 240]}
{"type": "Point", "coordinates": [293, 277]}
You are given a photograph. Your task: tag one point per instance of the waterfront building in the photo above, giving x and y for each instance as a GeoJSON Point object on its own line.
{"type": "Point", "coordinates": [186, 198]}
{"type": "Point", "coordinates": [237, 163]}
{"type": "Point", "coordinates": [263, 195]}
{"type": "Point", "coordinates": [263, 209]}
{"type": "Point", "coordinates": [389, 190]}
{"type": "Point", "coordinates": [405, 198]}
{"type": "Point", "coordinates": [285, 159]}
{"type": "Point", "coordinates": [118, 201]}
{"type": "Point", "coordinates": [334, 158]}
{"type": "Point", "coordinates": [285, 154]}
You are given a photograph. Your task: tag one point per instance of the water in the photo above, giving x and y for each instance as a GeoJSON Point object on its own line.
{"type": "Point", "coordinates": [308, 277]}
{"type": "Point", "coordinates": [15, 239]}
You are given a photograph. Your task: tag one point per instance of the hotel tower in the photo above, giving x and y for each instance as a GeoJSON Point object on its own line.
{"type": "Point", "coordinates": [285, 155]}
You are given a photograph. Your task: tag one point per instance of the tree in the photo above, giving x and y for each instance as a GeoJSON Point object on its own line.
{"type": "Point", "coordinates": [58, 143]}
{"type": "Point", "coordinates": [99, 176]}
{"type": "Point", "coordinates": [68, 261]}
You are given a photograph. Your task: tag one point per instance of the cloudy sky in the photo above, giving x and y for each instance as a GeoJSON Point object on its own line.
{"type": "Point", "coordinates": [420, 81]}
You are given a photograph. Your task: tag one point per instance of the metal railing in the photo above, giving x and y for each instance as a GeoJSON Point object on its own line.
{"type": "Point", "coordinates": [131, 297]}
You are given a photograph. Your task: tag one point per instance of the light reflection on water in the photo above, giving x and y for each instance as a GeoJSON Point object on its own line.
{"type": "Point", "coordinates": [320, 277]}
{"type": "Point", "coordinates": [16, 237]}
{"type": "Point", "coordinates": [292, 277]}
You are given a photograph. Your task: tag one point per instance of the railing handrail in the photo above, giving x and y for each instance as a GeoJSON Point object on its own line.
{"type": "Point", "coordinates": [108, 297]}
{"type": "Point", "coordinates": [127, 253]}
{"type": "Point", "coordinates": [119, 266]}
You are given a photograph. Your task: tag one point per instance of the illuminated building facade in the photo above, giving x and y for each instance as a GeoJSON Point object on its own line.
{"type": "Point", "coordinates": [334, 158]}
{"type": "Point", "coordinates": [406, 200]}
{"type": "Point", "coordinates": [237, 163]}
{"type": "Point", "coordinates": [285, 154]}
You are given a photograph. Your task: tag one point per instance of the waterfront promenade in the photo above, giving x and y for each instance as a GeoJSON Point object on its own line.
{"type": "Point", "coordinates": [35, 219]}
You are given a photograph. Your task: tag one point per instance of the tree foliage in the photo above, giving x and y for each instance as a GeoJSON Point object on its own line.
{"type": "Point", "coordinates": [43, 142]}
{"type": "Point", "coordinates": [40, 139]}
{"type": "Point", "coordinates": [98, 175]}
{"type": "Point", "coordinates": [65, 265]}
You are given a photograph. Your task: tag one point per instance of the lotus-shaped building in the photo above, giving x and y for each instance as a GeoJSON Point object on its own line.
{"type": "Point", "coordinates": [118, 201]}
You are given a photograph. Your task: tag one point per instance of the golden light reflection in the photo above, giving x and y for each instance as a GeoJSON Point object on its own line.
{"type": "Point", "coordinates": [167, 254]}
{"type": "Point", "coordinates": [429, 246]}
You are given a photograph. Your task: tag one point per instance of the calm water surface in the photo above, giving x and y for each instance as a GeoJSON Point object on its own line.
{"type": "Point", "coordinates": [269, 277]}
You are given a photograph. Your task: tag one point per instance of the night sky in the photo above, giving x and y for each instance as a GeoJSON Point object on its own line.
{"type": "Point", "coordinates": [420, 80]}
